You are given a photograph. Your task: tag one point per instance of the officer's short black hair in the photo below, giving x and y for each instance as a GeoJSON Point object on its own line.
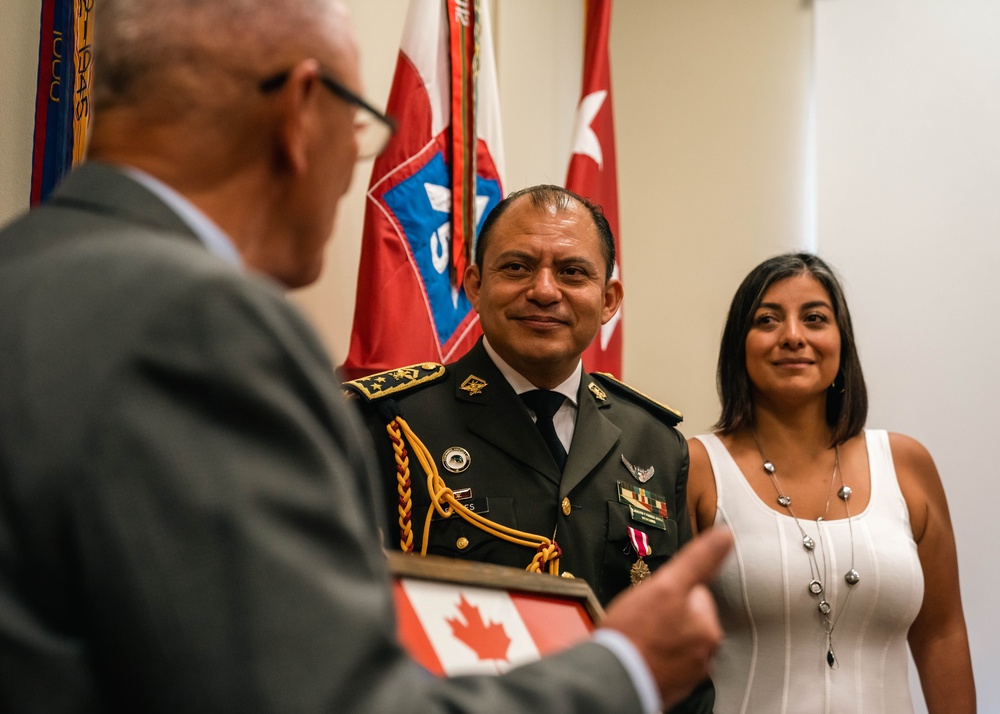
{"type": "Point", "coordinates": [545, 195]}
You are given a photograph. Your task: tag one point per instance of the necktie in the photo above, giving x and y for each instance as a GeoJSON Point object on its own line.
{"type": "Point", "coordinates": [545, 404]}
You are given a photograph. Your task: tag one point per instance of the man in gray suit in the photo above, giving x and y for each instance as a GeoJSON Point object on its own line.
{"type": "Point", "coordinates": [186, 519]}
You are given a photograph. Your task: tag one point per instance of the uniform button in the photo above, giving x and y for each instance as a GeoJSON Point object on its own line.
{"type": "Point", "coordinates": [569, 575]}
{"type": "Point", "coordinates": [566, 506]}
{"type": "Point", "coordinates": [462, 543]}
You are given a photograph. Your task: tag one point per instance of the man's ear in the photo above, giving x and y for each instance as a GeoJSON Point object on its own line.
{"type": "Point", "coordinates": [295, 103]}
{"type": "Point", "coordinates": [472, 281]}
{"type": "Point", "coordinates": [614, 292]}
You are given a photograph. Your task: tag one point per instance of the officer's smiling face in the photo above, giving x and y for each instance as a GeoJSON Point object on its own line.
{"type": "Point", "coordinates": [540, 293]}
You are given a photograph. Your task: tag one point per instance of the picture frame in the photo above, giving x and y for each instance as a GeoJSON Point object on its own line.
{"type": "Point", "coordinates": [465, 617]}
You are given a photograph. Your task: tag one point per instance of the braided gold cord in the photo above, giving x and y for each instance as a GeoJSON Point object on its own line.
{"type": "Point", "coordinates": [402, 487]}
{"type": "Point", "coordinates": [443, 501]}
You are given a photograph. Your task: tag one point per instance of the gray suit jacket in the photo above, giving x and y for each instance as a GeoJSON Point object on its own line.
{"type": "Point", "coordinates": [185, 513]}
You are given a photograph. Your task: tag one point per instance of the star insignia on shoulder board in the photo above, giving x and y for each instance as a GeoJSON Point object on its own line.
{"type": "Point", "coordinates": [394, 381]}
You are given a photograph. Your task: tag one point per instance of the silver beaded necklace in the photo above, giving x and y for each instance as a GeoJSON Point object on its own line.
{"type": "Point", "coordinates": [818, 576]}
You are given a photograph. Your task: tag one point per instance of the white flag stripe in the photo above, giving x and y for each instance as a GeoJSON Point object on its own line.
{"type": "Point", "coordinates": [436, 603]}
{"type": "Point", "coordinates": [425, 42]}
{"type": "Point", "coordinates": [488, 102]}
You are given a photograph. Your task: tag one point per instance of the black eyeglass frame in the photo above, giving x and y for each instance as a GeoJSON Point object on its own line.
{"type": "Point", "coordinates": [273, 83]}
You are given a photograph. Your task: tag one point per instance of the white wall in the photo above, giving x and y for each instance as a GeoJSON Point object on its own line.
{"type": "Point", "coordinates": [710, 102]}
{"type": "Point", "coordinates": [908, 157]}
{"type": "Point", "coordinates": [19, 23]}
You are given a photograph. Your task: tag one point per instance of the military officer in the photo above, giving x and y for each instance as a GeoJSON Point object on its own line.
{"type": "Point", "coordinates": [613, 501]}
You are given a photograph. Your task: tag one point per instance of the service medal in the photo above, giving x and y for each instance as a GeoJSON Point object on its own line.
{"type": "Point", "coordinates": [639, 571]}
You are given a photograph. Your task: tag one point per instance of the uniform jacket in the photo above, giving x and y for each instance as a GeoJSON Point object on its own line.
{"type": "Point", "coordinates": [515, 481]}
{"type": "Point", "coordinates": [186, 520]}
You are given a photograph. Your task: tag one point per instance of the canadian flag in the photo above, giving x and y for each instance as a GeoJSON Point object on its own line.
{"type": "Point", "coordinates": [460, 629]}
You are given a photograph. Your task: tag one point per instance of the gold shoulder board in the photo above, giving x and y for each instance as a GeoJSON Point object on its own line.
{"type": "Point", "coordinates": [393, 381]}
{"type": "Point", "coordinates": [668, 414]}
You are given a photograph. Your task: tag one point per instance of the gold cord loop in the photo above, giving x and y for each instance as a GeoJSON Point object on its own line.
{"type": "Point", "coordinates": [444, 503]}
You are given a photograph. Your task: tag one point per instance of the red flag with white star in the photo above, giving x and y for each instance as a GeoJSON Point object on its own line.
{"type": "Point", "coordinates": [592, 166]}
{"type": "Point", "coordinates": [430, 191]}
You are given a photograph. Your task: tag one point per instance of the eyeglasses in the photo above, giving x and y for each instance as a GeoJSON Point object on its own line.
{"type": "Point", "coordinates": [372, 128]}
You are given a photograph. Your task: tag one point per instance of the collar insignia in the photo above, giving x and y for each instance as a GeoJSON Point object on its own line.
{"type": "Point", "coordinates": [597, 391]}
{"type": "Point", "coordinates": [473, 384]}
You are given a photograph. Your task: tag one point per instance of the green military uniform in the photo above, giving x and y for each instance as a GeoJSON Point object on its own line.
{"type": "Point", "coordinates": [469, 408]}
{"type": "Point", "coordinates": [466, 413]}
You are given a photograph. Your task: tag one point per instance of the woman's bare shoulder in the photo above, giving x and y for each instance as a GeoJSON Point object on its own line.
{"type": "Point", "coordinates": [911, 456]}
{"type": "Point", "coordinates": [701, 492]}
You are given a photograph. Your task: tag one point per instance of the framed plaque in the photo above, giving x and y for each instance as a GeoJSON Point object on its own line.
{"type": "Point", "coordinates": [462, 617]}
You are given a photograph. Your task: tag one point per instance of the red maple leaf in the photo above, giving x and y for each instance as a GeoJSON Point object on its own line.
{"type": "Point", "coordinates": [487, 641]}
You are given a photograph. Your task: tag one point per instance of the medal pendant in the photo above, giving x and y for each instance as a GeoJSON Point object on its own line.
{"type": "Point", "coordinates": [639, 540]}
{"type": "Point", "coordinates": [639, 571]}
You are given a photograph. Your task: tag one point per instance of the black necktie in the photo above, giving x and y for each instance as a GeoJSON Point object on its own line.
{"type": "Point", "coordinates": [545, 404]}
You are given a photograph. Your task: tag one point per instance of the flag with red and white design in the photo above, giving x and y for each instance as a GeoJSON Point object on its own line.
{"type": "Point", "coordinates": [430, 191]}
{"type": "Point", "coordinates": [592, 166]}
{"type": "Point", "coordinates": [456, 629]}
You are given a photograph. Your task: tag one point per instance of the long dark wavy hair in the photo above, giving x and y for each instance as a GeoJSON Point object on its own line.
{"type": "Point", "coordinates": [847, 399]}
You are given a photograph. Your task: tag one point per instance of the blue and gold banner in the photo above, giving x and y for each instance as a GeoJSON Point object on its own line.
{"type": "Point", "coordinates": [62, 105]}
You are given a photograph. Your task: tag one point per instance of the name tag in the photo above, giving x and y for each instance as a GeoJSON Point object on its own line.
{"type": "Point", "coordinates": [476, 505]}
{"type": "Point", "coordinates": [650, 519]}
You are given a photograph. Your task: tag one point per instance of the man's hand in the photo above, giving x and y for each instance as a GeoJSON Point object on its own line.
{"type": "Point", "coordinates": [671, 617]}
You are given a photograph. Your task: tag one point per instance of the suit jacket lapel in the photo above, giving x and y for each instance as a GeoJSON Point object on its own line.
{"type": "Point", "coordinates": [593, 438]}
{"type": "Point", "coordinates": [501, 419]}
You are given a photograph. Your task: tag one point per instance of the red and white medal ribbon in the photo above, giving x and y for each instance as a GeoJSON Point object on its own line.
{"type": "Point", "coordinates": [639, 541]}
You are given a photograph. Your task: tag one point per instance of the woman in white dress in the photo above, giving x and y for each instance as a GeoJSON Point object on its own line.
{"type": "Point", "coordinates": [844, 551]}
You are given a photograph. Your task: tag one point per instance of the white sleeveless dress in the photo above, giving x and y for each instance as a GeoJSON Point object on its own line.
{"type": "Point", "coordinates": [773, 657]}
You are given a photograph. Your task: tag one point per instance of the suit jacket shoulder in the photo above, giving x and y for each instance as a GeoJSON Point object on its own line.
{"type": "Point", "coordinates": [664, 413]}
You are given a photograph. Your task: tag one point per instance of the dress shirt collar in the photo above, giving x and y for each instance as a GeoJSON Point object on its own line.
{"type": "Point", "coordinates": [568, 389]}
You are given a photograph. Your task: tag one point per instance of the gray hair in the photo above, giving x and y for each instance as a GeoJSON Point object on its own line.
{"type": "Point", "coordinates": [141, 44]}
